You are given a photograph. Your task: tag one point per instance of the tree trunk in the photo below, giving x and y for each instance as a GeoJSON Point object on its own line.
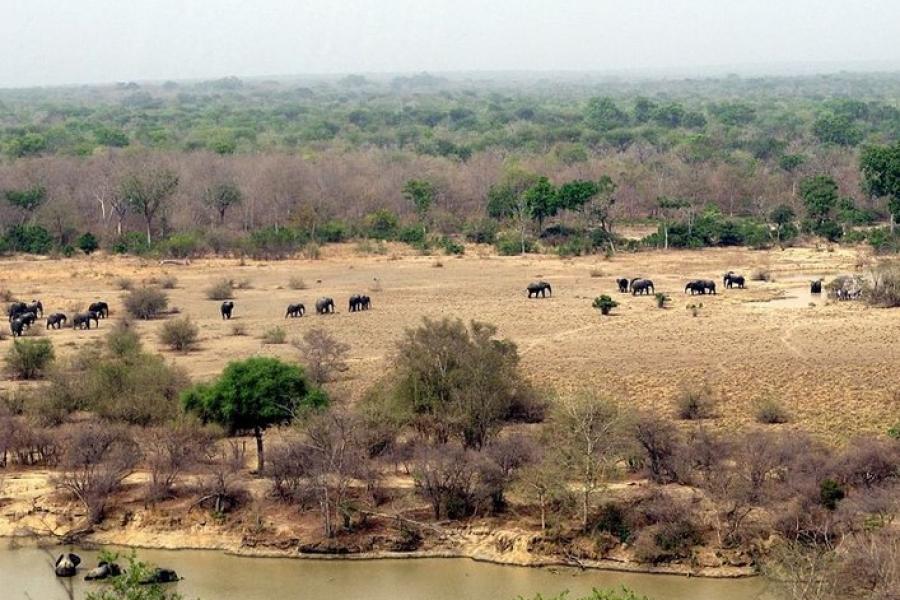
{"type": "Point", "coordinates": [260, 454]}
{"type": "Point", "coordinates": [893, 223]}
{"type": "Point", "coordinates": [543, 514]}
{"type": "Point", "coordinates": [149, 239]}
{"type": "Point", "coordinates": [584, 508]}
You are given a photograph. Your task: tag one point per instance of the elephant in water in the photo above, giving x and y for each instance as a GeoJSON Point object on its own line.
{"type": "Point", "coordinates": [66, 565]}
{"type": "Point", "coordinates": [539, 287]}
{"type": "Point", "coordinates": [732, 279]}
{"type": "Point", "coordinates": [101, 308]}
{"type": "Point", "coordinates": [83, 320]}
{"type": "Point", "coordinates": [17, 327]}
{"type": "Point", "coordinates": [160, 576]}
{"type": "Point", "coordinates": [295, 310]}
{"type": "Point", "coordinates": [623, 284]}
{"type": "Point", "coordinates": [103, 571]}
{"type": "Point", "coordinates": [641, 286]}
{"type": "Point", "coordinates": [56, 320]}
{"type": "Point", "coordinates": [226, 309]}
{"type": "Point", "coordinates": [324, 306]}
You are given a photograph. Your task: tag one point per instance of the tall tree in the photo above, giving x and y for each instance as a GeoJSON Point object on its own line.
{"type": "Point", "coordinates": [252, 395]}
{"type": "Point", "coordinates": [148, 193]}
{"type": "Point", "coordinates": [222, 196]}
{"type": "Point", "coordinates": [542, 201]}
{"type": "Point", "coordinates": [880, 166]}
{"type": "Point", "coordinates": [422, 194]}
{"type": "Point", "coordinates": [28, 199]}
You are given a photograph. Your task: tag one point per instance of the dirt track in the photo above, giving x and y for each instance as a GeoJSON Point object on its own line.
{"type": "Point", "coordinates": [833, 365]}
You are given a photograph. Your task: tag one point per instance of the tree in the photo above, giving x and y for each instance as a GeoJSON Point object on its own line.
{"type": "Point", "coordinates": [542, 201]}
{"type": "Point", "coordinates": [28, 359]}
{"type": "Point", "coordinates": [880, 166]}
{"type": "Point", "coordinates": [323, 353]}
{"type": "Point", "coordinates": [593, 198]}
{"type": "Point", "coordinates": [666, 206]}
{"type": "Point", "coordinates": [837, 129]}
{"type": "Point", "coordinates": [820, 196]}
{"type": "Point", "coordinates": [422, 194]}
{"type": "Point", "coordinates": [148, 194]}
{"type": "Point", "coordinates": [28, 199]}
{"type": "Point", "coordinates": [252, 395]}
{"type": "Point", "coordinates": [88, 243]}
{"type": "Point", "coordinates": [782, 216]}
{"type": "Point", "coordinates": [603, 114]}
{"type": "Point", "coordinates": [588, 433]}
{"type": "Point", "coordinates": [222, 196]}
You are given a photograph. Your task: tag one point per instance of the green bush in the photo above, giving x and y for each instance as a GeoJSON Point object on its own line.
{"type": "Point", "coordinates": [179, 334]}
{"type": "Point", "coordinates": [275, 242]}
{"type": "Point", "coordinates": [894, 432]}
{"type": "Point", "coordinates": [381, 225]}
{"type": "Point", "coordinates": [451, 246]}
{"type": "Point", "coordinates": [482, 231]}
{"type": "Point", "coordinates": [604, 304]}
{"type": "Point", "coordinates": [332, 232]}
{"type": "Point", "coordinates": [830, 493]}
{"type": "Point", "coordinates": [132, 242]}
{"type": "Point", "coordinates": [87, 243]}
{"type": "Point", "coordinates": [32, 239]}
{"type": "Point", "coordinates": [411, 234]}
{"type": "Point", "coordinates": [183, 245]}
{"type": "Point", "coordinates": [510, 244]}
{"type": "Point", "coordinates": [146, 303]}
{"type": "Point", "coordinates": [29, 359]}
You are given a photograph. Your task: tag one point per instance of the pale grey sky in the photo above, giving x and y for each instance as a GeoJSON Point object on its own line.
{"type": "Point", "coordinates": [44, 42]}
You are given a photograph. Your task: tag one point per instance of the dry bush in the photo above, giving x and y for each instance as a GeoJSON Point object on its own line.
{"type": "Point", "coordinates": [311, 251]}
{"type": "Point", "coordinates": [168, 282]}
{"type": "Point", "coordinates": [238, 329]}
{"type": "Point", "coordinates": [771, 412]}
{"type": "Point", "coordinates": [179, 334]}
{"type": "Point", "coordinates": [761, 274]}
{"type": "Point", "coordinates": [170, 451]}
{"type": "Point", "coordinates": [222, 289]}
{"type": "Point", "coordinates": [322, 354]}
{"type": "Point", "coordinates": [274, 335]}
{"type": "Point", "coordinates": [884, 291]}
{"type": "Point", "coordinates": [243, 284]}
{"type": "Point", "coordinates": [146, 303]}
{"type": "Point", "coordinates": [220, 484]}
{"type": "Point", "coordinates": [124, 283]}
{"type": "Point", "coordinates": [96, 459]}
{"type": "Point", "coordinates": [286, 468]}
{"type": "Point", "coordinates": [668, 529]}
{"type": "Point", "coordinates": [661, 444]}
{"type": "Point", "coordinates": [695, 402]}
{"type": "Point", "coordinates": [595, 273]}
{"type": "Point", "coordinates": [297, 283]}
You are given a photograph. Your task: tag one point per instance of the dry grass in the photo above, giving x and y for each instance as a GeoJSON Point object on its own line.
{"type": "Point", "coordinates": [743, 350]}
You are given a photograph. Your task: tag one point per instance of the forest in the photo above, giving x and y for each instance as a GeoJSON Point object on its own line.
{"type": "Point", "coordinates": [528, 162]}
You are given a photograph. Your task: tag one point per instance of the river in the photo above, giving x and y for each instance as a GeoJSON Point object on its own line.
{"type": "Point", "coordinates": [26, 572]}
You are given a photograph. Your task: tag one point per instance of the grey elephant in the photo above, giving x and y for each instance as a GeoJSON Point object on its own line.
{"type": "Point", "coordinates": [295, 310]}
{"type": "Point", "coordinates": [66, 565]}
{"type": "Point", "coordinates": [640, 286]}
{"type": "Point", "coordinates": [539, 287]}
{"type": "Point", "coordinates": [15, 309]}
{"type": "Point", "coordinates": [695, 286]}
{"type": "Point", "coordinates": [28, 318]}
{"type": "Point", "coordinates": [324, 306]}
{"type": "Point", "coordinates": [83, 320]}
{"type": "Point", "coordinates": [366, 302]}
{"type": "Point", "coordinates": [731, 279]}
{"type": "Point", "coordinates": [622, 282]}
{"type": "Point", "coordinates": [815, 287]}
{"type": "Point", "coordinates": [56, 320]}
{"type": "Point", "coordinates": [17, 327]}
{"type": "Point", "coordinates": [226, 309]}
{"type": "Point", "coordinates": [101, 308]}
{"type": "Point", "coordinates": [160, 576]}
{"type": "Point", "coordinates": [102, 571]}
{"type": "Point", "coordinates": [355, 303]}
{"type": "Point", "coordinates": [709, 286]}
{"type": "Point", "coordinates": [36, 307]}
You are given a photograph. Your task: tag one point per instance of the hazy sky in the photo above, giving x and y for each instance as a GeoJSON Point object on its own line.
{"type": "Point", "coordinates": [77, 41]}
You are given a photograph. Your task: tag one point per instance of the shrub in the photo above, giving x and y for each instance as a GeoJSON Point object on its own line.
{"type": "Point", "coordinates": [412, 235]}
{"type": "Point", "coordinates": [595, 273]}
{"type": "Point", "coordinates": [146, 303]}
{"type": "Point", "coordinates": [311, 251]}
{"type": "Point", "coordinates": [274, 335]}
{"type": "Point", "coordinates": [183, 245]}
{"type": "Point", "coordinates": [87, 243]}
{"type": "Point", "coordinates": [483, 231]}
{"type": "Point", "coordinates": [894, 432]}
{"type": "Point", "coordinates": [884, 291]}
{"type": "Point", "coordinates": [297, 283]}
{"type": "Point", "coordinates": [322, 354]}
{"type": "Point", "coordinates": [124, 284]}
{"type": "Point", "coordinates": [179, 334]}
{"type": "Point", "coordinates": [29, 359]}
{"type": "Point", "coordinates": [510, 244]}
{"type": "Point", "coordinates": [661, 299]}
{"type": "Point", "coordinates": [238, 329]}
{"type": "Point", "coordinates": [32, 239]}
{"type": "Point", "coordinates": [168, 282]}
{"type": "Point", "coordinates": [830, 493]}
{"type": "Point", "coordinates": [771, 412]}
{"type": "Point", "coordinates": [451, 246]}
{"type": "Point", "coordinates": [695, 402]}
{"type": "Point", "coordinates": [604, 304]}
{"type": "Point", "coordinates": [222, 289]}
{"type": "Point", "coordinates": [381, 225]}
{"type": "Point", "coordinates": [132, 242]}
{"type": "Point", "coordinates": [332, 232]}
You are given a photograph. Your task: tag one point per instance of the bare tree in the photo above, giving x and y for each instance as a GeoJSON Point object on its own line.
{"type": "Point", "coordinates": [323, 354]}
{"type": "Point", "coordinates": [147, 193]}
{"type": "Point", "coordinates": [170, 451]}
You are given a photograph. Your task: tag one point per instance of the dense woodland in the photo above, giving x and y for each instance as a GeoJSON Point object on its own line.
{"type": "Point", "coordinates": [268, 167]}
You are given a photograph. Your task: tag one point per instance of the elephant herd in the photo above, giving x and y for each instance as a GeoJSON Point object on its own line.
{"type": "Point", "coordinates": [324, 306]}
{"type": "Point", "coordinates": [22, 316]}
{"type": "Point", "coordinates": [66, 565]}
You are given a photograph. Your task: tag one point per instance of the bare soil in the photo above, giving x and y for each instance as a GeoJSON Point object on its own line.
{"type": "Point", "coordinates": [832, 365]}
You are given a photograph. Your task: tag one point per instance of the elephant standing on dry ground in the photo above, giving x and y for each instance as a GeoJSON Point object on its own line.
{"type": "Point", "coordinates": [56, 320]}
{"type": "Point", "coordinates": [295, 310]}
{"type": "Point", "coordinates": [732, 279]}
{"type": "Point", "coordinates": [539, 287]}
{"type": "Point", "coordinates": [324, 306]}
{"type": "Point", "coordinates": [641, 286]}
{"type": "Point", "coordinates": [623, 284]}
{"type": "Point", "coordinates": [227, 309]}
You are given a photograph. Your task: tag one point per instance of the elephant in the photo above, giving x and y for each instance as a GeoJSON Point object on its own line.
{"type": "Point", "coordinates": [15, 309]}
{"type": "Point", "coordinates": [815, 287]}
{"type": "Point", "coordinates": [623, 284]}
{"type": "Point", "coordinates": [83, 320]}
{"type": "Point", "coordinates": [66, 565]}
{"type": "Point", "coordinates": [295, 310]}
{"type": "Point", "coordinates": [36, 307]}
{"type": "Point", "coordinates": [355, 303]}
{"type": "Point", "coordinates": [103, 571]}
{"type": "Point", "coordinates": [709, 286]}
{"type": "Point", "coordinates": [732, 279]}
{"type": "Point", "coordinates": [101, 308]}
{"type": "Point", "coordinates": [17, 327]}
{"type": "Point", "coordinates": [366, 302]}
{"type": "Point", "coordinates": [56, 320]}
{"type": "Point", "coordinates": [28, 318]}
{"type": "Point", "coordinates": [160, 576]}
{"type": "Point", "coordinates": [539, 287]}
{"type": "Point", "coordinates": [641, 286]}
{"type": "Point", "coordinates": [695, 286]}
{"type": "Point", "coordinates": [226, 309]}
{"type": "Point", "coordinates": [324, 306]}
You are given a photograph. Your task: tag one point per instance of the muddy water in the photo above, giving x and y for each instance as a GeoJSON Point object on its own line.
{"type": "Point", "coordinates": [26, 573]}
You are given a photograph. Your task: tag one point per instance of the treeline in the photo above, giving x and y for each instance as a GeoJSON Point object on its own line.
{"type": "Point", "coordinates": [456, 418]}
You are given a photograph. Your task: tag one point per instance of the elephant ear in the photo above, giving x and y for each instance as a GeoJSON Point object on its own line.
{"type": "Point", "coordinates": [76, 560]}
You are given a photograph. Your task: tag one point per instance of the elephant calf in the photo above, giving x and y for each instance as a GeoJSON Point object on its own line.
{"type": "Point", "coordinates": [623, 285]}
{"type": "Point", "coordinates": [295, 310]}
{"type": "Point", "coordinates": [56, 320]}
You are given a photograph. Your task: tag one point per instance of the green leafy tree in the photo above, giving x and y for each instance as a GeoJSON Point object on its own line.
{"type": "Point", "coordinates": [542, 200]}
{"type": "Point", "coordinates": [603, 114]}
{"type": "Point", "coordinates": [28, 199]}
{"type": "Point", "coordinates": [252, 395]}
{"type": "Point", "coordinates": [880, 166]}
{"type": "Point", "coordinates": [783, 217]}
{"type": "Point", "coordinates": [837, 129]}
{"type": "Point", "coordinates": [422, 194]}
{"type": "Point", "coordinates": [29, 359]}
{"type": "Point", "coordinates": [88, 243]}
{"type": "Point", "coordinates": [222, 196]}
{"type": "Point", "coordinates": [820, 196]}
{"type": "Point", "coordinates": [148, 193]}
